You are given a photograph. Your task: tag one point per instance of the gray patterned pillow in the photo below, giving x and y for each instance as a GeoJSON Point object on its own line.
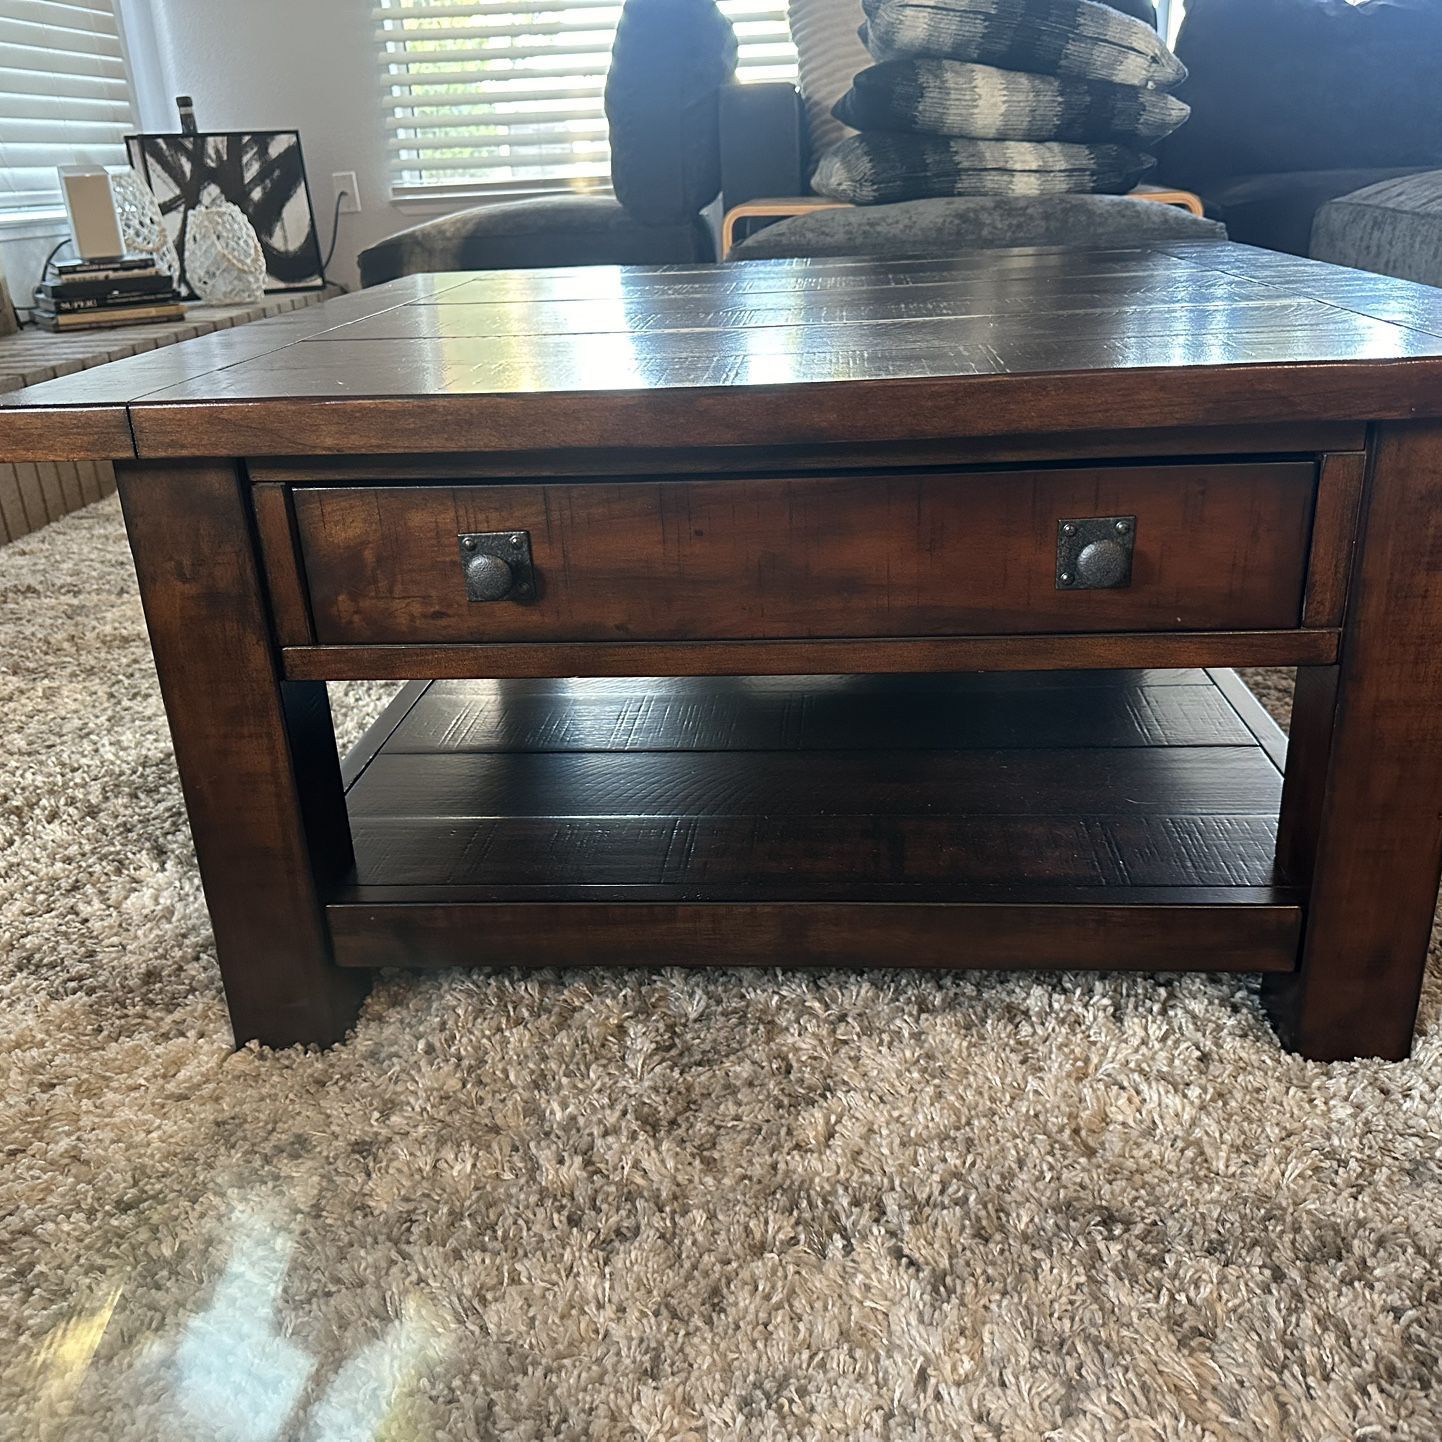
{"type": "Point", "coordinates": [1043, 37]}
{"type": "Point", "coordinates": [876, 168]}
{"type": "Point", "coordinates": [947, 97]}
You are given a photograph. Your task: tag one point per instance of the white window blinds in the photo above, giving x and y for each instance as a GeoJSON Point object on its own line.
{"type": "Point", "coordinates": [507, 96]}
{"type": "Point", "coordinates": [64, 98]}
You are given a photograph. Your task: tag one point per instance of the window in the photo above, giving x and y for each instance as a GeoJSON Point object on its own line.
{"type": "Point", "coordinates": [507, 96]}
{"type": "Point", "coordinates": [64, 97]}
{"type": "Point", "coordinates": [1170, 14]}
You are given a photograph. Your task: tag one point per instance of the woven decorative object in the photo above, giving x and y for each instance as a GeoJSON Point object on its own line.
{"type": "Point", "coordinates": [223, 260]}
{"type": "Point", "coordinates": [142, 228]}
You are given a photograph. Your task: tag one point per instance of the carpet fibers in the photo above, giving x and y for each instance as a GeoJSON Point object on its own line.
{"type": "Point", "coordinates": [649, 1205]}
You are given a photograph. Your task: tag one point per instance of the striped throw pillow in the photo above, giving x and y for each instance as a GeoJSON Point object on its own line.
{"type": "Point", "coordinates": [980, 102]}
{"type": "Point", "coordinates": [1044, 37]}
{"type": "Point", "coordinates": [877, 167]}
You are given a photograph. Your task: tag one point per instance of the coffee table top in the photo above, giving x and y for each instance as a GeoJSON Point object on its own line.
{"type": "Point", "coordinates": [986, 343]}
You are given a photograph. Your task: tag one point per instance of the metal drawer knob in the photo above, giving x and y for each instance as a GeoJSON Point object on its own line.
{"type": "Point", "coordinates": [488, 578]}
{"type": "Point", "coordinates": [1094, 553]}
{"type": "Point", "coordinates": [497, 565]}
{"type": "Point", "coordinates": [1101, 563]}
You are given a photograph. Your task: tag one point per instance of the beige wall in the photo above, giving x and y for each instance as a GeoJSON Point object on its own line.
{"type": "Point", "coordinates": [288, 64]}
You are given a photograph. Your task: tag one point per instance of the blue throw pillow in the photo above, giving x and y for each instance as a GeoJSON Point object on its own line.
{"type": "Point", "coordinates": [669, 60]}
{"type": "Point", "coordinates": [1298, 85]}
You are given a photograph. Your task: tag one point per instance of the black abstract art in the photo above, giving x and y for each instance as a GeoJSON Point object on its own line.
{"type": "Point", "coordinates": [261, 172]}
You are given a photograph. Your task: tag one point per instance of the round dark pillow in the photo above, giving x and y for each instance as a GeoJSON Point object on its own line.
{"type": "Point", "coordinates": [1299, 85]}
{"type": "Point", "coordinates": [669, 60]}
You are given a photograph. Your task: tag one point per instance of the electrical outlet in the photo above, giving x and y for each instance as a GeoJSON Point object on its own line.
{"type": "Point", "coordinates": [344, 180]}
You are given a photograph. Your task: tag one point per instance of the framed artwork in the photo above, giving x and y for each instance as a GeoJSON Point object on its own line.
{"type": "Point", "coordinates": [260, 171]}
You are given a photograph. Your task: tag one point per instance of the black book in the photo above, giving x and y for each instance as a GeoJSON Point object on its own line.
{"type": "Point", "coordinates": [137, 284]}
{"type": "Point", "coordinates": [44, 305]}
{"type": "Point", "coordinates": [100, 273]}
{"type": "Point", "coordinates": [119, 262]}
{"type": "Point", "coordinates": [111, 316]}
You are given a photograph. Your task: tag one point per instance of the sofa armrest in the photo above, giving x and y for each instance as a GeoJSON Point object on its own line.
{"type": "Point", "coordinates": [763, 142]}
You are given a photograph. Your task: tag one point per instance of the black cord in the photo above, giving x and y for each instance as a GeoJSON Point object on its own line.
{"type": "Point", "coordinates": [44, 271]}
{"type": "Point", "coordinates": [50, 259]}
{"type": "Point", "coordinates": [340, 195]}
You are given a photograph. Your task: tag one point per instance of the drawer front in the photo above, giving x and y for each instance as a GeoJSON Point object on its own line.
{"type": "Point", "coordinates": [1215, 547]}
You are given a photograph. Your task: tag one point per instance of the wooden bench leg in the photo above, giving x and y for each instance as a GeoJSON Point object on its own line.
{"type": "Point", "coordinates": [1362, 819]}
{"type": "Point", "coordinates": [256, 754]}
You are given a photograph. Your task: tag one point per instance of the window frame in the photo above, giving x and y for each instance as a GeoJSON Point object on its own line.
{"type": "Point", "coordinates": [441, 195]}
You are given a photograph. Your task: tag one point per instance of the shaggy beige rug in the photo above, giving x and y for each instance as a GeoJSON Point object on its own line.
{"type": "Point", "coordinates": [583, 1205]}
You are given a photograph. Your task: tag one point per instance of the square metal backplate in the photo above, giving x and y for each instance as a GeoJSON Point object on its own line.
{"type": "Point", "coordinates": [512, 547]}
{"type": "Point", "coordinates": [1094, 553]}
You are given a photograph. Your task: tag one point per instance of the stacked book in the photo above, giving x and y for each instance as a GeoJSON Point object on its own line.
{"type": "Point", "coordinates": [87, 294]}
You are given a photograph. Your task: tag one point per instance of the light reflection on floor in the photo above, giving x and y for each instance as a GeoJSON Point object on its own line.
{"type": "Point", "coordinates": [229, 1372]}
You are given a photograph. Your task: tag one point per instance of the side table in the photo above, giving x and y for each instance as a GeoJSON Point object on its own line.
{"type": "Point", "coordinates": [32, 494]}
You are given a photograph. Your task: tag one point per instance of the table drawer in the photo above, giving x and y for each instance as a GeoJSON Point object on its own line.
{"type": "Point", "coordinates": [1214, 547]}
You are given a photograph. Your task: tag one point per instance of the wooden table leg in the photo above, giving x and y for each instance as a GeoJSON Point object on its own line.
{"type": "Point", "coordinates": [256, 754]}
{"type": "Point", "coordinates": [1368, 806]}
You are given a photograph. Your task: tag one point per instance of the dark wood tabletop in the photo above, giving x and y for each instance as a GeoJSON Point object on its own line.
{"type": "Point", "coordinates": [768, 352]}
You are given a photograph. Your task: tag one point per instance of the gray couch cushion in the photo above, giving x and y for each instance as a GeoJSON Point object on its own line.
{"type": "Point", "coordinates": [944, 226]}
{"type": "Point", "coordinates": [545, 230]}
{"type": "Point", "coordinates": [1393, 228]}
{"type": "Point", "coordinates": [1275, 211]}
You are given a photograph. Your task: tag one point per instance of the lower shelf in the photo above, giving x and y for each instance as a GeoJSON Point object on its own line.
{"type": "Point", "coordinates": [1045, 819]}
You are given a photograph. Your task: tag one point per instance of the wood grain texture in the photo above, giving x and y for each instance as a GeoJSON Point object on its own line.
{"type": "Point", "coordinates": [1398, 302]}
{"type": "Point", "coordinates": [34, 495]}
{"type": "Point", "coordinates": [64, 433]}
{"type": "Point", "coordinates": [1304, 787]}
{"type": "Point", "coordinates": [722, 796]}
{"type": "Point", "coordinates": [1259, 937]}
{"type": "Point", "coordinates": [881, 656]}
{"type": "Point", "coordinates": [1378, 845]}
{"type": "Point", "coordinates": [1217, 442]}
{"type": "Point", "coordinates": [826, 713]}
{"type": "Point", "coordinates": [1216, 547]}
{"type": "Point", "coordinates": [984, 345]}
{"type": "Point", "coordinates": [256, 754]}
{"type": "Point", "coordinates": [355, 761]}
{"type": "Point", "coordinates": [1334, 537]}
{"type": "Point", "coordinates": [1289, 382]}
{"type": "Point", "coordinates": [1023, 822]}
{"type": "Point", "coordinates": [1050, 859]}
{"type": "Point", "coordinates": [1251, 714]}
{"type": "Point", "coordinates": [1161, 781]}
{"type": "Point", "coordinates": [279, 554]}
{"type": "Point", "coordinates": [14, 523]}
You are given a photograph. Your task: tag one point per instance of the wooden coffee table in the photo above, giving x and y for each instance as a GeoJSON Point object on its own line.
{"type": "Point", "coordinates": [935, 567]}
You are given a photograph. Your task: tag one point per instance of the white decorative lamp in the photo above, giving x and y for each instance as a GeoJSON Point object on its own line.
{"type": "Point", "coordinates": [91, 208]}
